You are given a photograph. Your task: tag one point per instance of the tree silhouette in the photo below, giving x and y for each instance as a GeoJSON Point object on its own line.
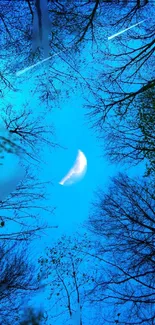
{"type": "Point", "coordinates": [70, 274]}
{"type": "Point", "coordinates": [121, 88]}
{"type": "Point", "coordinates": [83, 26]}
{"type": "Point", "coordinates": [18, 282]}
{"type": "Point", "coordinates": [131, 140]}
{"type": "Point", "coordinates": [22, 209]}
{"type": "Point", "coordinates": [29, 133]}
{"type": "Point", "coordinates": [127, 61]}
{"type": "Point", "coordinates": [24, 133]}
{"type": "Point", "coordinates": [33, 317]}
{"type": "Point", "coordinates": [17, 39]}
{"type": "Point", "coordinates": [124, 220]}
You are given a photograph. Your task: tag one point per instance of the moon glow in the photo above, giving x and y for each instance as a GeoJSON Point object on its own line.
{"type": "Point", "coordinates": [77, 171]}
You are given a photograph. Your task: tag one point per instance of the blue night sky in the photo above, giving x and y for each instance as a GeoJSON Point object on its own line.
{"type": "Point", "coordinates": [72, 132]}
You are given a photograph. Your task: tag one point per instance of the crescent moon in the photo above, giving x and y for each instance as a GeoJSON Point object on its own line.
{"type": "Point", "coordinates": [77, 171]}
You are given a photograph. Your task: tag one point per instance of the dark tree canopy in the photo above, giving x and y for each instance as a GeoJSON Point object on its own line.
{"type": "Point", "coordinates": [131, 140]}
{"type": "Point", "coordinates": [124, 219]}
{"type": "Point", "coordinates": [18, 282]}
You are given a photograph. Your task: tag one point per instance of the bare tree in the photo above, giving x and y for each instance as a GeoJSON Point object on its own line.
{"type": "Point", "coordinates": [133, 7]}
{"type": "Point", "coordinates": [24, 133]}
{"type": "Point", "coordinates": [70, 273]}
{"type": "Point", "coordinates": [22, 210]}
{"type": "Point", "coordinates": [131, 140]}
{"type": "Point", "coordinates": [16, 29]}
{"type": "Point", "coordinates": [29, 133]}
{"type": "Point", "coordinates": [82, 23]}
{"type": "Point", "coordinates": [18, 282]}
{"type": "Point", "coordinates": [125, 64]}
{"type": "Point", "coordinates": [123, 220]}
{"type": "Point", "coordinates": [8, 145]}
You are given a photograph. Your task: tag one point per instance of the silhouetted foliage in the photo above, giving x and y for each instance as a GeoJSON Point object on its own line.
{"type": "Point", "coordinates": [18, 282]}
{"type": "Point", "coordinates": [127, 60]}
{"type": "Point", "coordinates": [70, 274]}
{"type": "Point", "coordinates": [22, 209]}
{"type": "Point", "coordinates": [131, 139]}
{"type": "Point", "coordinates": [33, 317]}
{"type": "Point", "coordinates": [27, 133]}
{"type": "Point", "coordinates": [124, 221]}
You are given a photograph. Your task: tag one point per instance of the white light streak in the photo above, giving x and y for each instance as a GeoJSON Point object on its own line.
{"type": "Point", "coordinates": [19, 73]}
{"type": "Point", "coordinates": [111, 37]}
